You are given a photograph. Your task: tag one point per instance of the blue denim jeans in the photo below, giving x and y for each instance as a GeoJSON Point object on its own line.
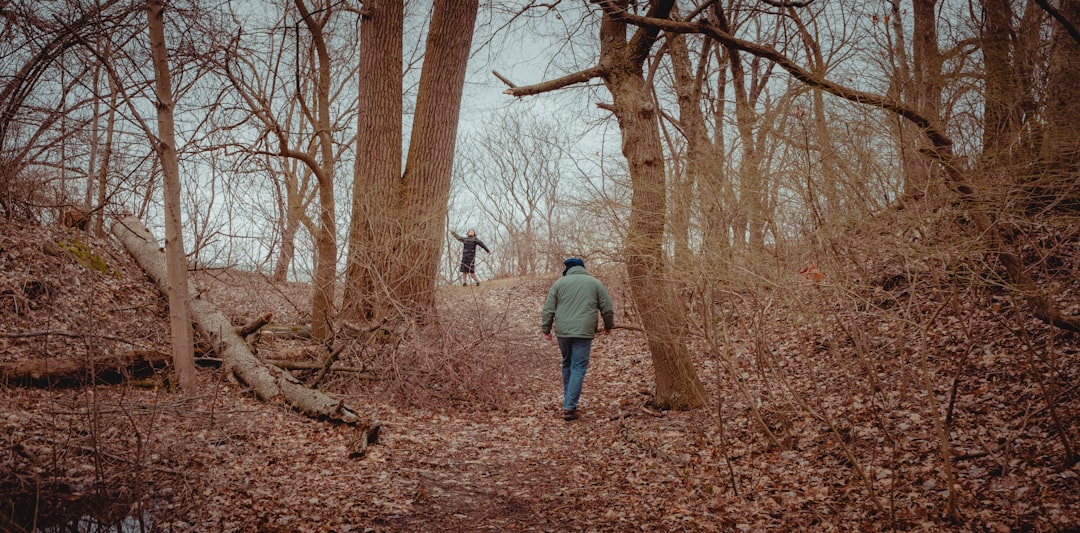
{"type": "Point", "coordinates": [575, 362]}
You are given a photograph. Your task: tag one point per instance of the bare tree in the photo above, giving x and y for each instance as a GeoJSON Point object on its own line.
{"type": "Point", "coordinates": [419, 197]}
{"type": "Point", "coordinates": [322, 300]}
{"type": "Point", "coordinates": [299, 130]}
{"type": "Point", "coordinates": [750, 223]}
{"type": "Point", "coordinates": [1060, 151]}
{"type": "Point", "coordinates": [514, 178]}
{"type": "Point", "coordinates": [179, 297]}
{"type": "Point", "coordinates": [374, 231]}
{"type": "Point", "coordinates": [294, 195]}
{"type": "Point", "coordinates": [703, 162]}
{"type": "Point", "coordinates": [663, 317]}
{"type": "Point", "coordinates": [32, 122]}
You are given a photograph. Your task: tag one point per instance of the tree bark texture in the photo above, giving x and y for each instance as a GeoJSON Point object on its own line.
{"type": "Point", "coordinates": [664, 319]}
{"type": "Point", "coordinates": [176, 280]}
{"type": "Point", "coordinates": [925, 91]}
{"type": "Point", "coordinates": [1061, 138]}
{"type": "Point", "coordinates": [375, 238]}
{"type": "Point", "coordinates": [269, 383]}
{"type": "Point", "coordinates": [1000, 116]}
{"type": "Point", "coordinates": [398, 225]}
{"type": "Point", "coordinates": [430, 162]}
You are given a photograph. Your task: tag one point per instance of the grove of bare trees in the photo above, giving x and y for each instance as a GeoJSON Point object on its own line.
{"type": "Point", "coordinates": [752, 135]}
{"type": "Point", "coordinates": [833, 229]}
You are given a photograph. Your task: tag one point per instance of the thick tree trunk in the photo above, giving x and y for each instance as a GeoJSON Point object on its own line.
{"type": "Point", "coordinates": [430, 163]}
{"type": "Point", "coordinates": [1001, 95]}
{"type": "Point", "coordinates": [664, 319]}
{"type": "Point", "coordinates": [925, 92]}
{"type": "Point", "coordinates": [1060, 151]}
{"type": "Point", "coordinates": [374, 236]}
{"type": "Point", "coordinates": [269, 383]}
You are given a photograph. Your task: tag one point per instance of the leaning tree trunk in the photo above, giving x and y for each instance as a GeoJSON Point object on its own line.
{"type": "Point", "coordinates": [268, 382]}
{"type": "Point", "coordinates": [430, 163]}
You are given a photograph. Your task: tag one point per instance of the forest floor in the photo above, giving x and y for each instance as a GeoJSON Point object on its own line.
{"type": "Point", "coordinates": [821, 424]}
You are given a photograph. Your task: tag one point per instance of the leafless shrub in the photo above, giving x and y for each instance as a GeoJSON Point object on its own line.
{"type": "Point", "coordinates": [464, 358]}
{"type": "Point", "coordinates": [23, 193]}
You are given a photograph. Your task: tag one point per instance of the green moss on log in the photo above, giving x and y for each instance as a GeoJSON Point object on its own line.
{"type": "Point", "coordinates": [86, 257]}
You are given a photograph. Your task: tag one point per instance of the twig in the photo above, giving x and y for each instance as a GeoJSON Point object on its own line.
{"type": "Point", "coordinates": [503, 79]}
{"type": "Point", "coordinates": [969, 456]}
{"type": "Point", "coordinates": [654, 451]}
{"type": "Point", "coordinates": [337, 353]}
{"type": "Point", "coordinates": [652, 412]}
{"type": "Point", "coordinates": [255, 325]}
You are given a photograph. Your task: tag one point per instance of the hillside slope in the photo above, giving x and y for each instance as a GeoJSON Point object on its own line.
{"type": "Point", "coordinates": [822, 415]}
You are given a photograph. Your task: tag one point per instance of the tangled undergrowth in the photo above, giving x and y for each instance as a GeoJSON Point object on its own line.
{"type": "Point", "coordinates": [907, 388]}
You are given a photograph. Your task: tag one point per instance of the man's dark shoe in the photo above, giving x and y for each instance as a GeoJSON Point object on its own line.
{"type": "Point", "coordinates": [477, 283]}
{"type": "Point", "coordinates": [569, 415]}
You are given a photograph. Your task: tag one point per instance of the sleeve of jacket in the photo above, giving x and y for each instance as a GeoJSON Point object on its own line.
{"type": "Point", "coordinates": [547, 315]}
{"type": "Point", "coordinates": [481, 244]}
{"type": "Point", "coordinates": [456, 236]}
{"type": "Point", "coordinates": [607, 307]}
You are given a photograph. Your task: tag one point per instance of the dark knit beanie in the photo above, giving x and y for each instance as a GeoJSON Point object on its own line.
{"type": "Point", "coordinates": [572, 262]}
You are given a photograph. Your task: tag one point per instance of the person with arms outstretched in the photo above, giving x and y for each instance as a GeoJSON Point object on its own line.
{"type": "Point", "coordinates": [468, 256]}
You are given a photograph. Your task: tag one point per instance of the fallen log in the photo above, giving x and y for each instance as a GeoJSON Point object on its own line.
{"type": "Point", "coordinates": [80, 371]}
{"type": "Point", "coordinates": [268, 382]}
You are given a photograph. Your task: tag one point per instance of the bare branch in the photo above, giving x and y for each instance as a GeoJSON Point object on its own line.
{"type": "Point", "coordinates": [557, 83]}
{"type": "Point", "coordinates": [1058, 16]}
{"type": "Point", "coordinates": [937, 137]}
{"type": "Point", "coordinates": [784, 5]}
{"type": "Point", "coordinates": [504, 79]}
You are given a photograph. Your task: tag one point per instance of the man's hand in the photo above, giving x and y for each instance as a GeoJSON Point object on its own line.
{"type": "Point", "coordinates": [547, 336]}
{"type": "Point", "coordinates": [607, 332]}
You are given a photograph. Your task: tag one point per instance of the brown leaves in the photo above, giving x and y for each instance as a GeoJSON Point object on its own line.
{"type": "Point", "coordinates": [472, 436]}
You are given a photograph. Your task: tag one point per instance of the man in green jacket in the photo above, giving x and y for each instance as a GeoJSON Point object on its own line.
{"type": "Point", "coordinates": [572, 304]}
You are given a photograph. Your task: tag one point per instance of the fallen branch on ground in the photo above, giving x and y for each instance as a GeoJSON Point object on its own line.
{"type": "Point", "coordinates": [79, 371]}
{"type": "Point", "coordinates": [268, 382]}
{"type": "Point", "coordinates": [255, 325]}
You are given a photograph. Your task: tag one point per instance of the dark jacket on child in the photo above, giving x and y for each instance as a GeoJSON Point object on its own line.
{"type": "Point", "coordinates": [468, 253]}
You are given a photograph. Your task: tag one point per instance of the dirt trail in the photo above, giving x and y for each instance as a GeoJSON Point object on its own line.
{"type": "Point", "coordinates": [473, 440]}
{"type": "Point", "coordinates": [222, 461]}
{"type": "Point", "coordinates": [516, 468]}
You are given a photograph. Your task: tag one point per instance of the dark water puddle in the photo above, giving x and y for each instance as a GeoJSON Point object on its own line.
{"type": "Point", "coordinates": [56, 509]}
